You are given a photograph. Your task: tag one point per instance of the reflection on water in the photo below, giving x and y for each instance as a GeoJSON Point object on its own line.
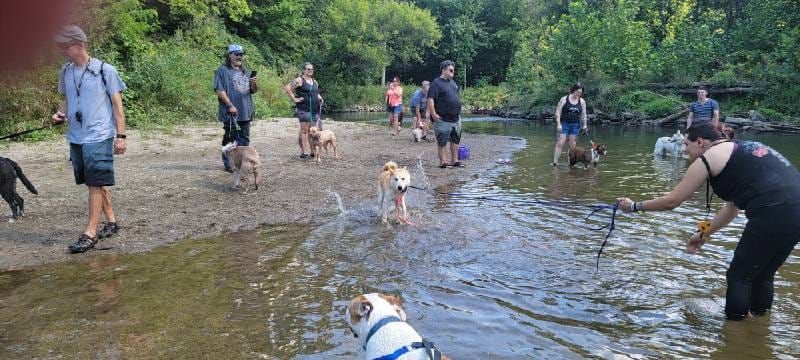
{"type": "Point", "coordinates": [506, 271]}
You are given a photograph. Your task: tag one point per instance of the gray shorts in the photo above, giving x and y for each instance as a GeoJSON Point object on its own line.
{"type": "Point", "coordinates": [447, 132]}
{"type": "Point", "coordinates": [93, 163]}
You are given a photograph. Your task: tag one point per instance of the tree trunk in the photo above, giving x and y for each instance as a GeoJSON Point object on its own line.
{"type": "Point", "coordinates": [671, 118]}
{"type": "Point", "coordinates": [383, 76]}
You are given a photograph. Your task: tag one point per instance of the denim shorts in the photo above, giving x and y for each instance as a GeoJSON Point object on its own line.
{"type": "Point", "coordinates": [397, 109]}
{"type": "Point", "coordinates": [447, 131]}
{"type": "Point", "coordinates": [570, 128]}
{"type": "Point", "coordinates": [93, 163]}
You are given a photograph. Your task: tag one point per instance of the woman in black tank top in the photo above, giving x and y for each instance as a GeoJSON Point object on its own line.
{"type": "Point", "coordinates": [304, 93]}
{"type": "Point", "coordinates": [570, 115]}
{"type": "Point", "coordinates": [749, 176]}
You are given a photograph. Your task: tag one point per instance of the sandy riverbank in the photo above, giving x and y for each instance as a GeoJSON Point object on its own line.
{"type": "Point", "coordinates": [171, 185]}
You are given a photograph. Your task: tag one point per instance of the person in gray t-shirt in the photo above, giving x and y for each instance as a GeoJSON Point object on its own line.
{"type": "Point", "coordinates": [93, 110]}
{"type": "Point", "coordinates": [235, 86]}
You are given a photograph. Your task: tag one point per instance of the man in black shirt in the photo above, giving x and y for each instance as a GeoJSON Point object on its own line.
{"type": "Point", "coordinates": [444, 105]}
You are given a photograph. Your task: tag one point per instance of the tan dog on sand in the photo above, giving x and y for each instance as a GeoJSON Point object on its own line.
{"type": "Point", "coordinates": [321, 139]}
{"type": "Point", "coordinates": [379, 322]}
{"type": "Point", "coordinates": [393, 183]}
{"type": "Point", "coordinates": [245, 162]}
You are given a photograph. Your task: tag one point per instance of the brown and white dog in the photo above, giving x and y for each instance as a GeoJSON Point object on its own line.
{"type": "Point", "coordinates": [245, 162]}
{"type": "Point", "coordinates": [321, 139]}
{"type": "Point", "coordinates": [591, 156]}
{"type": "Point", "coordinates": [393, 183]}
{"type": "Point", "coordinates": [379, 322]}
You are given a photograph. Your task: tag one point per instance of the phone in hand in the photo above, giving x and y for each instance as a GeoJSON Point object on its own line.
{"type": "Point", "coordinates": [253, 73]}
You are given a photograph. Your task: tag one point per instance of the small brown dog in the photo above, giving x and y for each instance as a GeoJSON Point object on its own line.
{"type": "Point", "coordinates": [579, 154]}
{"type": "Point", "coordinates": [321, 139]}
{"type": "Point", "coordinates": [244, 161]}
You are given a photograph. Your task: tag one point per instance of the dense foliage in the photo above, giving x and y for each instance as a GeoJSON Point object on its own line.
{"type": "Point", "coordinates": [521, 53]}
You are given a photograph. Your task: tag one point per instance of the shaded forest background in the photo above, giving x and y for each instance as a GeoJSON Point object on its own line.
{"type": "Point", "coordinates": [632, 55]}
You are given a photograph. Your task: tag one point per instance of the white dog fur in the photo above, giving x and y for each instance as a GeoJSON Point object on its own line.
{"type": "Point", "coordinates": [673, 145]}
{"type": "Point", "coordinates": [393, 183]}
{"type": "Point", "coordinates": [367, 310]}
{"type": "Point", "coordinates": [416, 135]}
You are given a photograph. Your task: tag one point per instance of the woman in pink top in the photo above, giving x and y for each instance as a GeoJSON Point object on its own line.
{"type": "Point", "coordinates": [394, 104]}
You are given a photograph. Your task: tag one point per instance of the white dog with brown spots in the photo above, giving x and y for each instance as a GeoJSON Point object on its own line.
{"type": "Point", "coordinates": [393, 182]}
{"type": "Point", "coordinates": [379, 322]}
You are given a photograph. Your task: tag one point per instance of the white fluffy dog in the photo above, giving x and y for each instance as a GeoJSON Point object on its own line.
{"type": "Point", "coordinates": [670, 145]}
{"type": "Point", "coordinates": [416, 135]}
{"type": "Point", "coordinates": [393, 183]}
{"type": "Point", "coordinates": [379, 322]}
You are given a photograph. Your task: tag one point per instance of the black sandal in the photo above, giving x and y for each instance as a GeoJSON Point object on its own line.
{"type": "Point", "coordinates": [458, 164]}
{"type": "Point", "coordinates": [109, 229]}
{"type": "Point", "coordinates": [303, 156]}
{"type": "Point", "coordinates": [443, 166]}
{"type": "Point", "coordinates": [84, 244]}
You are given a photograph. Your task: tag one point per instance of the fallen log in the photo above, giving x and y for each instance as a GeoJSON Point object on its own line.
{"type": "Point", "coordinates": [671, 118]}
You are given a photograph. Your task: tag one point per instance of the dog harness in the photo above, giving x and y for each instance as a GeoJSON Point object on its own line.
{"type": "Point", "coordinates": [431, 350]}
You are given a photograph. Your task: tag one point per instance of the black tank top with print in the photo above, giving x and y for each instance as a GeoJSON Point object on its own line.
{"type": "Point", "coordinates": [571, 113]}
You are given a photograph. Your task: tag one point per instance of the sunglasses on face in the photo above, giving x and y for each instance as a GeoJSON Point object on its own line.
{"type": "Point", "coordinates": [238, 54]}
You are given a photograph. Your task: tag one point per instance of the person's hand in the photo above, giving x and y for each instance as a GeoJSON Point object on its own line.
{"type": "Point", "coordinates": [558, 128]}
{"type": "Point", "coordinates": [625, 204]}
{"type": "Point", "coordinates": [119, 146]}
{"type": "Point", "coordinates": [297, 100]}
{"type": "Point", "coordinates": [694, 243]}
{"type": "Point", "coordinates": [254, 81]}
{"type": "Point", "coordinates": [435, 117]}
{"type": "Point", "coordinates": [232, 110]}
{"type": "Point", "coordinates": [59, 117]}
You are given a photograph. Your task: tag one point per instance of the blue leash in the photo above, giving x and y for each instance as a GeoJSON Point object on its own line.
{"type": "Point", "coordinates": [611, 225]}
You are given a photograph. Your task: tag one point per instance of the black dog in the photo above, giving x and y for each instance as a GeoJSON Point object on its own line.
{"type": "Point", "coordinates": [9, 172]}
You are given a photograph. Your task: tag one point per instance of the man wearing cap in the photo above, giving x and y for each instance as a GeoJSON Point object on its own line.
{"type": "Point", "coordinates": [703, 110]}
{"type": "Point", "coordinates": [96, 128]}
{"type": "Point", "coordinates": [444, 106]}
{"type": "Point", "coordinates": [235, 85]}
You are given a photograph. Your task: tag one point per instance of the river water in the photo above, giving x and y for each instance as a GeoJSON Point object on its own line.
{"type": "Point", "coordinates": [500, 267]}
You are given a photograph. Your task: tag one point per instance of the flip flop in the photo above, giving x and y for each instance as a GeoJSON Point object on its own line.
{"type": "Point", "coordinates": [457, 164]}
{"type": "Point", "coordinates": [443, 166]}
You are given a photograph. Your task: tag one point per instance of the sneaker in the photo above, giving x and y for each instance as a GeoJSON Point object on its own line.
{"type": "Point", "coordinates": [84, 243]}
{"type": "Point", "coordinates": [109, 229]}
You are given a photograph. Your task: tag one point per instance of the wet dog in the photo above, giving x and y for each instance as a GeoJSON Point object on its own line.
{"type": "Point", "coordinates": [393, 183]}
{"type": "Point", "coordinates": [245, 162]}
{"type": "Point", "coordinates": [590, 156]}
{"type": "Point", "coordinates": [379, 322]}
{"type": "Point", "coordinates": [416, 135]}
{"type": "Point", "coordinates": [9, 172]}
{"type": "Point", "coordinates": [321, 139]}
{"type": "Point", "coordinates": [670, 145]}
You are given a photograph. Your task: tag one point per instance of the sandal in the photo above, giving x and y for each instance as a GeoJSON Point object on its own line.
{"type": "Point", "coordinates": [109, 229]}
{"type": "Point", "coordinates": [443, 166]}
{"type": "Point", "coordinates": [458, 164]}
{"type": "Point", "coordinates": [303, 156]}
{"type": "Point", "coordinates": [84, 244]}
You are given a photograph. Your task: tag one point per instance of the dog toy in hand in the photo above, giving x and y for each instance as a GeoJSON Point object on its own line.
{"type": "Point", "coordinates": [704, 227]}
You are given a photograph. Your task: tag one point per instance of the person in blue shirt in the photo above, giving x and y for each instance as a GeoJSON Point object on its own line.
{"type": "Point", "coordinates": [96, 128]}
{"type": "Point", "coordinates": [419, 108]}
{"type": "Point", "coordinates": [703, 110]}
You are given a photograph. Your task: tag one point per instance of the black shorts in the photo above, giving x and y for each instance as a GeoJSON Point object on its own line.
{"type": "Point", "coordinates": [93, 163]}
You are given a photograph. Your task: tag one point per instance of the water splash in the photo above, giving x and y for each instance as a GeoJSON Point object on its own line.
{"type": "Point", "coordinates": [339, 203]}
{"type": "Point", "coordinates": [424, 177]}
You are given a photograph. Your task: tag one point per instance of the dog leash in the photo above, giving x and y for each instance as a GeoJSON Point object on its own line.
{"type": "Point", "coordinates": [610, 227]}
{"type": "Point", "coordinates": [26, 132]}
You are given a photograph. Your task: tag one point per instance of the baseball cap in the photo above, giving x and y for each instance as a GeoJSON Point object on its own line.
{"type": "Point", "coordinates": [235, 48]}
{"type": "Point", "coordinates": [70, 33]}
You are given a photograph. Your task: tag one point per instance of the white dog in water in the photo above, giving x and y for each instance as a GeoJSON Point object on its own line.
{"type": "Point", "coordinates": [245, 161]}
{"type": "Point", "coordinates": [379, 322]}
{"type": "Point", "coordinates": [393, 183]}
{"type": "Point", "coordinates": [670, 145]}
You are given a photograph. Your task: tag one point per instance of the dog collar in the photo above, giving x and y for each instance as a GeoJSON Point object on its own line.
{"type": "Point", "coordinates": [385, 321]}
{"type": "Point", "coordinates": [430, 350]}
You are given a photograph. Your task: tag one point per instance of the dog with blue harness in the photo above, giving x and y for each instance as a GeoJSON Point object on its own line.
{"type": "Point", "coordinates": [380, 322]}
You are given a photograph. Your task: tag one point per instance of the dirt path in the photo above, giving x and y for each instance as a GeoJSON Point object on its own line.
{"type": "Point", "coordinates": [171, 185]}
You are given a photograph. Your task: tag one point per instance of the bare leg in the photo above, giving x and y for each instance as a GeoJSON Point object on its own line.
{"type": "Point", "coordinates": [95, 205]}
{"type": "Point", "coordinates": [573, 139]}
{"type": "Point", "coordinates": [453, 153]}
{"type": "Point", "coordinates": [442, 154]}
{"type": "Point", "coordinates": [303, 140]}
{"type": "Point", "coordinates": [108, 211]}
{"type": "Point", "coordinates": [559, 145]}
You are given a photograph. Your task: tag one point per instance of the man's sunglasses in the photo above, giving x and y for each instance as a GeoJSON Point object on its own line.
{"type": "Point", "coordinates": [238, 53]}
